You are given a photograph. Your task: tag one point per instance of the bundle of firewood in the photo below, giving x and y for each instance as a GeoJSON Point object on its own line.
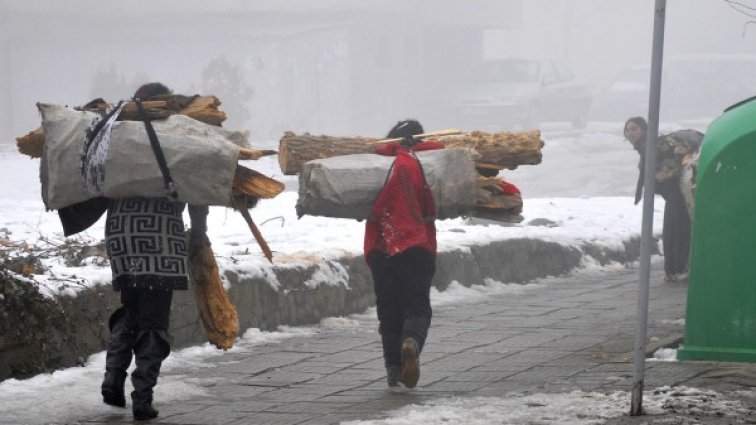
{"type": "Point", "coordinates": [497, 150]}
{"type": "Point", "coordinates": [246, 184]}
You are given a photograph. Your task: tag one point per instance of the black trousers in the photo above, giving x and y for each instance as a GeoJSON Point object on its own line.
{"type": "Point", "coordinates": [147, 309]}
{"type": "Point", "coordinates": [402, 289]}
{"type": "Point", "coordinates": [139, 329]}
{"type": "Point", "coordinates": [676, 234]}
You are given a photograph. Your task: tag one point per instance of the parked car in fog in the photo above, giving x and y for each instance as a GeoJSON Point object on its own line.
{"type": "Point", "coordinates": [696, 86]}
{"type": "Point", "coordinates": [626, 96]}
{"type": "Point", "coordinates": [511, 93]}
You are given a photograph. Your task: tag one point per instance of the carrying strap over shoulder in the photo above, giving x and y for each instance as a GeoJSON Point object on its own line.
{"type": "Point", "coordinates": [170, 187]}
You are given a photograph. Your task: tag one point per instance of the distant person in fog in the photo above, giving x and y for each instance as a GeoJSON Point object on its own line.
{"type": "Point", "coordinates": [676, 228]}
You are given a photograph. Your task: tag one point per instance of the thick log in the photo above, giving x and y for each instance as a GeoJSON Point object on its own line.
{"type": "Point", "coordinates": [497, 150]}
{"type": "Point", "coordinates": [217, 312]}
{"type": "Point", "coordinates": [32, 143]}
{"type": "Point", "coordinates": [250, 182]}
{"type": "Point", "coordinates": [501, 150]}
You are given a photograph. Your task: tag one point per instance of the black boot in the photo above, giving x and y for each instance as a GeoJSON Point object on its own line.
{"type": "Point", "coordinates": [142, 407]}
{"type": "Point", "coordinates": [150, 350]}
{"type": "Point", "coordinates": [112, 387]}
{"type": "Point", "coordinates": [117, 359]}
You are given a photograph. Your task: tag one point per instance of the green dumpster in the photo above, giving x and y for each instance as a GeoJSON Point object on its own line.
{"type": "Point", "coordinates": [720, 323]}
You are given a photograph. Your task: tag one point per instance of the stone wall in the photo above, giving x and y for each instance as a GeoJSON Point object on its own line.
{"type": "Point", "coordinates": [40, 335]}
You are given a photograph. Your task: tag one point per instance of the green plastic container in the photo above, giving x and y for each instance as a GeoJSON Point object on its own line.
{"type": "Point", "coordinates": [720, 322]}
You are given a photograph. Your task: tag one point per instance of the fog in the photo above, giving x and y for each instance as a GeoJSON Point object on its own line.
{"type": "Point", "coordinates": [344, 67]}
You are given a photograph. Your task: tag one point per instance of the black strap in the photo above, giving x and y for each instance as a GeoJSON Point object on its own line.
{"type": "Point", "coordinates": [102, 122]}
{"type": "Point", "coordinates": [170, 187]}
{"type": "Point", "coordinates": [426, 186]}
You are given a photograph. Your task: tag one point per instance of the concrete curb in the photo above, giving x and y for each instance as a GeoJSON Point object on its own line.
{"type": "Point", "coordinates": [259, 305]}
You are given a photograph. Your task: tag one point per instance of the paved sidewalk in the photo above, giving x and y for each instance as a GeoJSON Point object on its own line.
{"type": "Point", "coordinates": [570, 333]}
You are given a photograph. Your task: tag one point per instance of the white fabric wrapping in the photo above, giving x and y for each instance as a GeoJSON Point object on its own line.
{"type": "Point", "coordinates": [202, 159]}
{"type": "Point", "coordinates": [95, 153]}
{"type": "Point", "coordinates": [347, 186]}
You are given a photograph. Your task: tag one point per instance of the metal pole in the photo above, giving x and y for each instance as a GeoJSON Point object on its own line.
{"type": "Point", "coordinates": [636, 408]}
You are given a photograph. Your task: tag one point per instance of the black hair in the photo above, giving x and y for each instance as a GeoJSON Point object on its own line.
{"type": "Point", "coordinates": [405, 128]}
{"type": "Point", "coordinates": [639, 121]}
{"type": "Point", "coordinates": [146, 91]}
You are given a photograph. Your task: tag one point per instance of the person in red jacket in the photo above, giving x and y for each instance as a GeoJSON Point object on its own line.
{"type": "Point", "coordinates": [400, 249]}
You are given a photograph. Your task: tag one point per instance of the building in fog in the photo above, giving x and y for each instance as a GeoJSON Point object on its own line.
{"type": "Point", "coordinates": [335, 67]}
{"type": "Point", "coordinates": [338, 67]}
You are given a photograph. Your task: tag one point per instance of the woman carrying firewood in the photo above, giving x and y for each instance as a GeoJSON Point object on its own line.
{"type": "Point", "coordinates": [400, 248]}
{"type": "Point", "coordinates": [676, 228]}
{"type": "Point", "coordinates": [148, 253]}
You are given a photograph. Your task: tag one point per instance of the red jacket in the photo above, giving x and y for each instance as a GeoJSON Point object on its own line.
{"type": "Point", "coordinates": [404, 214]}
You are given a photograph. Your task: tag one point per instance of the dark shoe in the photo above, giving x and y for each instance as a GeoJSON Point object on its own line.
{"type": "Point", "coordinates": [142, 407]}
{"type": "Point", "coordinates": [112, 387]}
{"type": "Point", "coordinates": [410, 363]}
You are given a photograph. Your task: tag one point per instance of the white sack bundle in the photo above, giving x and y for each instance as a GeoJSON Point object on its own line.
{"type": "Point", "coordinates": [202, 159]}
{"type": "Point", "coordinates": [347, 186]}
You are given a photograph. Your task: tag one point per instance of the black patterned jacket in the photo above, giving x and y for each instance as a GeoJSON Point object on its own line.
{"type": "Point", "coordinates": [146, 243]}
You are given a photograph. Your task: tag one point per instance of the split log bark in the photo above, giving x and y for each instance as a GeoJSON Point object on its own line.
{"type": "Point", "coordinates": [217, 312]}
{"type": "Point", "coordinates": [497, 150]}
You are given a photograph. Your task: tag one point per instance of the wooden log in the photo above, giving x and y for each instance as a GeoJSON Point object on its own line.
{"type": "Point", "coordinates": [252, 183]}
{"type": "Point", "coordinates": [256, 233]}
{"type": "Point", "coordinates": [201, 108]}
{"type": "Point", "coordinates": [490, 195]}
{"type": "Point", "coordinates": [294, 150]}
{"type": "Point", "coordinates": [254, 154]}
{"type": "Point", "coordinates": [502, 150]}
{"type": "Point", "coordinates": [217, 312]}
{"type": "Point", "coordinates": [205, 109]}
{"type": "Point", "coordinates": [492, 203]}
{"type": "Point", "coordinates": [32, 143]}
{"type": "Point", "coordinates": [497, 150]}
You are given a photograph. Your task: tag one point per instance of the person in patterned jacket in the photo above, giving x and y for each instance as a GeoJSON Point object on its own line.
{"type": "Point", "coordinates": [400, 249]}
{"type": "Point", "coordinates": [148, 252]}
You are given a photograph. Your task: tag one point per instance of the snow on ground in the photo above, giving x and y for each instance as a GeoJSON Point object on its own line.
{"type": "Point", "coordinates": [573, 408]}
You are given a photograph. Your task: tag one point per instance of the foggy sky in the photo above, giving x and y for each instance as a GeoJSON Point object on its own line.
{"type": "Point", "coordinates": [326, 66]}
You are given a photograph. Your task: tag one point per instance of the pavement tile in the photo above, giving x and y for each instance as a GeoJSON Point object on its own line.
{"type": "Point", "coordinates": [272, 419]}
